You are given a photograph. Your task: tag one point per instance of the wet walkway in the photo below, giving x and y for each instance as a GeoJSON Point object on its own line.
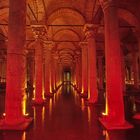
{"type": "Point", "coordinates": [66, 117]}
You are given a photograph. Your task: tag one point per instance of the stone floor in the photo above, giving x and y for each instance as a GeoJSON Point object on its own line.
{"type": "Point", "coordinates": [66, 117]}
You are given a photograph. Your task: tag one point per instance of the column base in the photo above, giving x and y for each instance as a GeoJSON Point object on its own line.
{"type": "Point", "coordinates": [137, 116]}
{"type": "Point", "coordinates": [110, 126]}
{"type": "Point", "coordinates": [23, 125]}
{"type": "Point", "coordinates": [38, 101]}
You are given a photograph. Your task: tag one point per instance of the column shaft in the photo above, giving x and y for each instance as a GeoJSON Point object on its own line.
{"type": "Point", "coordinates": [114, 88]}
{"type": "Point", "coordinates": [84, 69]}
{"type": "Point", "coordinates": [39, 95]}
{"type": "Point", "coordinates": [16, 63]}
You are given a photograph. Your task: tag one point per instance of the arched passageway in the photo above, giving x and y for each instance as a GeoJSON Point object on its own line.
{"type": "Point", "coordinates": [72, 64]}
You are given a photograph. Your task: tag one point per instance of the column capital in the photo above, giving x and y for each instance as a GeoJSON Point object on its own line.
{"type": "Point", "coordinates": [83, 44]}
{"type": "Point", "coordinates": [107, 3]}
{"type": "Point", "coordinates": [49, 45]}
{"type": "Point", "coordinates": [39, 31]}
{"type": "Point", "coordinates": [90, 30]}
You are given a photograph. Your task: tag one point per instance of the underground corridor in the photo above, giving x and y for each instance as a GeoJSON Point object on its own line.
{"type": "Point", "coordinates": [69, 69]}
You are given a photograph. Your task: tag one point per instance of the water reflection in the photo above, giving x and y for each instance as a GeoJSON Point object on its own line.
{"type": "Point", "coordinates": [115, 135]}
{"type": "Point", "coordinates": [50, 106]}
{"type": "Point", "coordinates": [89, 114]}
{"type": "Point", "coordinates": [24, 136]}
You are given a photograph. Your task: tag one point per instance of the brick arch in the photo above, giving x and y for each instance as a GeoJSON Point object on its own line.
{"type": "Point", "coordinates": [73, 14]}
{"type": "Point", "coordinates": [129, 17]}
{"type": "Point", "coordinates": [67, 33]}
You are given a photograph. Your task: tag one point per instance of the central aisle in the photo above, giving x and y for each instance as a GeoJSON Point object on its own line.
{"type": "Point", "coordinates": [65, 118]}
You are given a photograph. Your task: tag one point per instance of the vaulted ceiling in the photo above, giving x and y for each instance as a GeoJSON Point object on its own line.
{"type": "Point", "coordinates": [63, 22]}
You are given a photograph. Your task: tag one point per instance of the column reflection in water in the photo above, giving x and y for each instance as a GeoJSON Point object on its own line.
{"type": "Point", "coordinates": [24, 136]}
{"type": "Point", "coordinates": [82, 104]}
{"type": "Point", "coordinates": [34, 113]}
{"type": "Point", "coordinates": [114, 135]}
{"type": "Point", "coordinates": [50, 106]}
{"type": "Point", "coordinates": [89, 114]}
{"type": "Point", "coordinates": [24, 104]}
{"type": "Point", "coordinates": [39, 122]}
{"type": "Point", "coordinates": [43, 115]}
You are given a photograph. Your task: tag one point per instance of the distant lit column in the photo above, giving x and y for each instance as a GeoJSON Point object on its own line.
{"type": "Point", "coordinates": [80, 73]}
{"type": "Point", "coordinates": [84, 68]}
{"type": "Point", "coordinates": [31, 72]}
{"type": "Point", "coordinates": [100, 71]}
{"type": "Point", "coordinates": [135, 69]}
{"type": "Point", "coordinates": [56, 69]}
{"type": "Point", "coordinates": [52, 74]}
{"type": "Point", "coordinates": [59, 73]}
{"type": "Point", "coordinates": [0, 70]}
{"type": "Point", "coordinates": [39, 95]}
{"type": "Point", "coordinates": [56, 72]}
{"type": "Point", "coordinates": [90, 31]}
{"type": "Point", "coordinates": [16, 63]}
{"type": "Point", "coordinates": [47, 53]}
{"type": "Point", "coordinates": [115, 116]}
{"type": "Point", "coordinates": [79, 70]}
{"type": "Point", "coordinates": [76, 72]}
{"type": "Point", "coordinates": [123, 71]}
{"type": "Point", "coordinates": [137, 34]}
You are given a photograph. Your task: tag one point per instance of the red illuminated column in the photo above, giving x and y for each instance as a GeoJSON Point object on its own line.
{"type": "Point", "coordinates": [3, 70]}
{"type": "Point", "coordinates": [16, 63]}
{"type": "Point", "coordinates": [39, 95]}
{"type": "Point", "coordinates": [90, 30]}
{"type": "Point", "coordinates": [80, 74]}
{"type": "Point", "coordinates": [114, 116]}
{"type": "Point", "coordinates": [59, 74]}
{"type": "Point", "coordinates": [55, 71]}
{"type": "Point", "coordinates": [84, 68]}
{"type": "Point", "coordinates": [31, 70]}
{"type": "Point", "coordinates": [123, 71]}
{"type": "Point", "coordinates": [0, 70]}
{"type": "Point", "coordinates": [47, 52]}
{"type": "Point", "coordinates": [52, 74]}
{"type": "Point", "coordinates": [76, 72]}
{"type": "Point", "coordinates": [135, 70]}
{"type": "Point", "coordinates": [79, 84]}
{"type": "Point", "coordinates": [100, 71]}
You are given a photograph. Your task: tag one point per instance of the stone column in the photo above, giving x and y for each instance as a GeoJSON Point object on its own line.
{"type": "Point", "coordinates": [90, 30]}
{"type": "Point", "coordinates": [100, 72]}
{"type": "Point", "coordinates": [59, 74]}
{"type": "Point", "coordinates": [47, 52]}
{"type": "Point", "coordinates": [52, 74]}
{"type": "Point", "coordinates": [16, 62]}
{"type": "Point", "coordinates": [123, 70]}
{"type": "Point", "coordinates": [76, 72]}
{"type": "Point", "coordinates": [80, 74]}
{"type": "Point", "coordinates": [135, 70]}
{"type": "Point", "coordinates": [31, 71]}
{"type": "Point", "coordinates": [56, 69]}
{"type": "Point", "coordinates": [84, 69]}
{"type": "Point", "coordinates": [39, 95]}
{"type": "Point", "coordinates": [114, 115]}
{"type": "Point", "coordinates": [1, 70]}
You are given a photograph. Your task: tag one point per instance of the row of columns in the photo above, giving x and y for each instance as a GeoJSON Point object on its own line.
{"type": "Point", "coordinates": [16, 55]}
{"type": "Point", "coordinates": [114, 116]}
{"type": "Point", "coordinates": [16, 70]}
